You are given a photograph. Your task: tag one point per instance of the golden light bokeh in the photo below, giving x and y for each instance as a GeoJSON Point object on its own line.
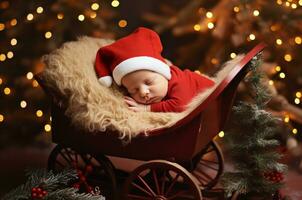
{"type": "Point", "coordinates": [214, 61]}
{"type": "Point", "coordinates": [1, 118]}
{"type": "Point", "coordinates": [282, 75]}
{"type": "Point", "coordinates": [298, 40]}
{"type": "Point", "coordinates": [13, 41]}
{"type": "Point", "coordinates": [297, 101]}
{"type": "Point", "coordinates": [286, 119]}
{"type": "Point", "coordinates": [209, 14]}
{"type": "Point", "coordinates": [221, 134]}
{"type": "Point", "coordinates": [256, 13]}
{"type": "Point", "coordinates": [60, 15]}
{"type": "Point", "coordinates": [115, 3]}
{"type": "Point", "coordinates": [48, 35]}
{"type": "Point", "coordinates": [7, 91]}
{"type": "Point", "coordinates": [236, 9]}
{"type": "Point", "coordinates": [294, 6]}
{"type": "Point", "coordinates": [2, 57]}
{"type": "Point", "coordinates": [93, 15]}
{"type": "Point", "coordinates": [279, 2]}
{"type": "Point", "coordinates": [197, 27]}
{"type": "Point", "coordinates": [233, 55]}
{"type": "Point", "coordinates": [29, 75]}
{"type": "Point", "coordinates": [39, 10]}
{"type": "Point", "coordinates": [23, 104]}
{"type": "Point", "coordinates": [13, 22]}
{"type": "Point", "coordinates": [210, 25]}
{"type": "Point", "coordinates": [10, 54]}
{"type": "Point", "coordinates": [278, 68]}
{"type": "Point", "coordinates": [47, 127]}
{"type": "Point", "coordinates": [278, 41]}
{"type": "Point", "coordinates": [39, 113]}
{"type": "Point", "coordinates": [30, 17]}
{"type": "Point", "coordinates": [252, 36]}
{"type": "Point", "coordinates": [81, 17]}
{"type": "Point", "coordinates": [35, 83]}
{"type": "Point", "coordinates": [122, 23]}
{"type": "Point", "coordinates": [288, 57]}
{"type": "Point", "coordinates": [2, 26]}
{"type": "Point", "coordinates": [95, 6]}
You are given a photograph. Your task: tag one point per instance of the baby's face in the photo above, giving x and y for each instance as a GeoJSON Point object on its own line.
{"type": "Point", "coordinates": [146, 86]}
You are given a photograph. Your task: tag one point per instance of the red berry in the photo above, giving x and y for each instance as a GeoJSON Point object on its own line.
{"type": "Point", "coordinates": [89, 168]}
{"type": "Point", "coordinates": [76, 185]}
{"type": "Point", "coordinates": [33, 189]}
{"type": "Point", "coordinates": [34, 195]}
{"type": "Point", "coordinates": [89, 189]}
{"type": "Point", "coordinates": [82, 178]}
{"type": "Point", "coordinates": [40, 195]}
{"type": "Point", "coordinates": [44, 192]}
{"type": "Point", "coordinates": [39, 190]}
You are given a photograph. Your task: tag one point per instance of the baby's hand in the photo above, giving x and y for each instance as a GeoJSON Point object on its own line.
{"type": "Point", "coordinates": [134, 106]}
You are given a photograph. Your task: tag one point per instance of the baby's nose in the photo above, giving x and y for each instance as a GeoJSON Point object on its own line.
{"type": "Point", "coordinates": [144, 91]}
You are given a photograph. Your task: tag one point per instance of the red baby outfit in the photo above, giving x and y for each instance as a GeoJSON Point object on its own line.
{"type": "Point", "coordinates": [182, 87]}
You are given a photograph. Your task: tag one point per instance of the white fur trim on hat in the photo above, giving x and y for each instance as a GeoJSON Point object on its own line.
{"type": "Point", "coordinates": [106, 81]}
{"type": "Point", "coordinates": [140, 63]}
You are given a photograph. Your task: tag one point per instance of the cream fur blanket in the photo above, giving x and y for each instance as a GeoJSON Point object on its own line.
{"type": "Point", "coordinates": [70, 71]}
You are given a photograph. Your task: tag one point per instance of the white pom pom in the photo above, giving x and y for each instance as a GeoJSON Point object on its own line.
{"type": "Point", "coordinates": [106, 81]}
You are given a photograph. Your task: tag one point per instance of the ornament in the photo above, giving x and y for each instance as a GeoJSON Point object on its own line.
{"type": "Point", "coordinates": [274, 176]}
{"type": "Point", "coordinates": [38, 193]}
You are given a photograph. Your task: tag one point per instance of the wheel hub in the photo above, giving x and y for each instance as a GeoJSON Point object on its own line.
{"type": "Point", "coordinates": [160, 198]}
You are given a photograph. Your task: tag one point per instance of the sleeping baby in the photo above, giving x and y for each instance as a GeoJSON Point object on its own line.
{"type": "Point", "coordinates": [135, 63]}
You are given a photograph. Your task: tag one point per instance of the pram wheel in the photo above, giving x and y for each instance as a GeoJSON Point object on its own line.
{"type": "Point", "coordinates": [208, 165]}
{"type": "Point", "coordinates": [96, 173]}
{"type": "Point", "coordinates": [161, 180]}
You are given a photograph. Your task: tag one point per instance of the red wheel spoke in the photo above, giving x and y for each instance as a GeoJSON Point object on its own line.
{"type": "Point", "coordinates": [156, 181]}
{"type": "Point", "coordinates": [68, 152]}
{"type": "Point", "coordinates": [202, 175]}
{"type": "Point", "coordinates": [204, 163]}
{"type": "Point", "coordinates": [163, 182]}
{"type": "Point", "coordinates": [172, 184]}
{"type": "Point", "coordinates": [181, 194]}
{"type": "Point", "coordinates": [59, 163]}
{"type": "Point", "coordinates": [65, 158]}
{"type": "Point", "coordinates": [132, 196]}
{"type": "Point", "coordinates": [146, 185]}
{"type": "Point", "coordinates": [210, 161]}
{"type": "Point", "coordinates": [142, 189]}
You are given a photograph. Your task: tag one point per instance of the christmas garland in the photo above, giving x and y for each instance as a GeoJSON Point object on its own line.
{"type": "Point", "coordinates": [45, 185]}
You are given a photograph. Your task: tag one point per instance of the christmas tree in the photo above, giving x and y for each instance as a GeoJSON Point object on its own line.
{"type": "Point", "coordinates": [253, 144]}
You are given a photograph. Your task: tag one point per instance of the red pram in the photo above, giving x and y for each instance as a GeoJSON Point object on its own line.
{"type": "Point", "coordinates": [183, 161]}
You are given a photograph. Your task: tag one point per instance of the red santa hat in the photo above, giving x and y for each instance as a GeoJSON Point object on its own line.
{"type": "Point", "coordinates": [141, 50]}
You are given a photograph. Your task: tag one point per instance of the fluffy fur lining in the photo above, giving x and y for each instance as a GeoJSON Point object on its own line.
{"type": "Point", "coordinates": [70, 72]}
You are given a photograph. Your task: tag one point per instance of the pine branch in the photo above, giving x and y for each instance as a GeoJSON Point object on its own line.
{"type": "Point", "coordinates": [56, 185]}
